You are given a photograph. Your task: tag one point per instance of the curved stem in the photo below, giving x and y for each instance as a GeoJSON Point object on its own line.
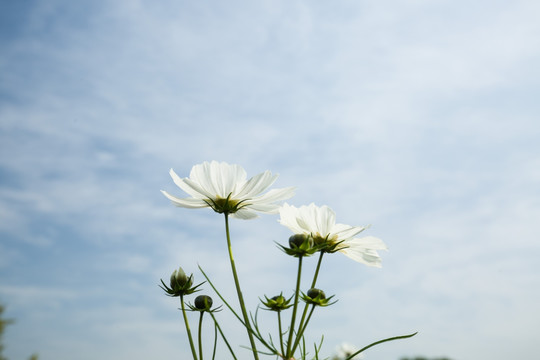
{"type": "Point", "coordinates": [215, 341]}
{"type": "Point", "coordinates": [295, 307]}
{"type": "Point", "coordinates": [223, 335]}
{"type": "Point", "coordinates": [239, 291]}
{"type": "Point", "coordinates": [380, 342]}
{"type": "Point", "coordinates": [193, 352]}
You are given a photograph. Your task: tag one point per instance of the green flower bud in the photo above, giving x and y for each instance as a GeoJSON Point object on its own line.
{"type": "Point", "coordinates": [300, 245]}
{"type": "Point", "coordinates": [180, 284]}
{"type": "Point", "coordinates": [313, 293]}
{"type": "Point", "coordinates": [277, 303]}
{"type": "Point", "coordinates": [317, 297]}
{"type": "Point", "coordinates": [179, 279]}
{"type": "Point", "coordinates": [297, 240]}
{"type": "Point", "coordinates": [203, 302]}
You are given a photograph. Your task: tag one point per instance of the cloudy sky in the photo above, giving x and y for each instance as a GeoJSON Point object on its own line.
{"type": "Point", "coordinates": [418, 117]}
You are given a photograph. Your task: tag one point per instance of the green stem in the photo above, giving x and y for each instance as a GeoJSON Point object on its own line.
{"type": "Point", "coordinates": [379, 342]}
{"type": "Point", "coordinates": [223, 336]}
{"type": "Point", "coordinates": [295, 307]}
{"type": "Point", "coordinates": [193, 352]}
{"type": "Point", "coordinates": [200, 335]}
{"type": "Point", "coordinates": [301, 330]}
{"type": "Point", "coordinates": [215, 342]}
{"type": "Point", "coordinates": [239, 291]}
{"type": "Point", "coordinates": [304, 313]}
{"type": "Point", "coordinates": [317, 270]}
{"type": "Point", "coordinates": [280, 332]}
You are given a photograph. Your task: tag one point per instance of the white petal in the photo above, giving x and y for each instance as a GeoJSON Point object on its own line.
{"type": "Point", "coordinates": [186, 203]}
{"type": "Point", "coordinates": [364, 250]}
{"type": "Point", "coordinates": [369, 258]}
{"type": "Point", "coordinates": [306, 217]}
{"type": "Point", "coordinates": [345, 231]}
{"type": "Point", "coordinates": [202, 176]}
{"type": "Point", "coordinates": [326, 219]}
{"type": "Point", "coordinates": [272, 196]}
{"type": "Point", "coordinates": [182, 185]}
{"type": "Point", "coordinates": [289, 218]}
{"type": "Point", "coordinates": [222, 178]}
{"type": "Point", "coordinates": [203, 191]}
{"type": "Point", "coordinates": [245, 214]}
{"type": "Point", "coordinates": [256, 185]}
{"type": "Point", "coordinates": [370, 242]}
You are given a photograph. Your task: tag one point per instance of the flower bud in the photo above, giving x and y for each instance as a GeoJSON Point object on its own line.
{"type": "Point", "coordinates": [300, 245]}
{"type": "Point", "coordinates": [297, 240]}
{"type": "Point", "coordinates": [317, 297]}
{"type": "Point", "coordinates": [203, 302]}
{"type": "Point", "coordinates": [313, 293]}
{"type": "Point", "coordinates": [277, 303]}
{"type": "Point", "coordinates": [179, 279]}
{"type": "Point", "coordinates": [180, 284]}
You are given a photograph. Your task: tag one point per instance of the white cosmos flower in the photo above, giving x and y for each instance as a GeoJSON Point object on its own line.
{"type": "Point", "coordinates": [320, 223]}
{"type": "Point", "coordinates": [224, 188]}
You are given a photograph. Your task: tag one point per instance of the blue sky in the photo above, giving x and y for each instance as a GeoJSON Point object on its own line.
{"type": "Point", "coordinates": [418, 117]}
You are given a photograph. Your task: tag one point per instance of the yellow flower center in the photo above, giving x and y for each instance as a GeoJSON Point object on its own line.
{"type": "Point", "coordinates": [225, 205]}
{"type": "Point", "coordinates": [319, 239]}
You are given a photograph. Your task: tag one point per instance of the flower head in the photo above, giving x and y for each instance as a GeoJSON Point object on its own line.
{"type": "Point", "coordinates": [277, 303]}
{"type": "Point", "coordinates": [317, 297]}
{"type": "Point", "coordinates": [180, 284]}
{"type": "Point", "coordinates": [224, 188]}
{"type": "Point", "coordinates": [320, 223]}
{"type": "Point", "coordinates": [203, 303]}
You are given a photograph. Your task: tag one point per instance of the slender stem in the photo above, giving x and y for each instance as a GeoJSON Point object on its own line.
{"type": "Point", "coordinates": [193, 352]}
{"type": "Point", "coordinates": [223, 336]}
{"type": "Point", "coordinates": [215, 342]}
{"type": "Point", "coordinates": [306, 305]}
{"type": "Point", "coordinates": [280, 333]}
{"type": "Point", "coordinates": [239, 291]}
{"type": "Point", "coordinates": [295, 307]}
{"type": "Point", "coordinates": [317, 270]}
{"type": "Point", "coordinates": [200, 335]}
{"type": "Point", "coordinates": [302, 329]}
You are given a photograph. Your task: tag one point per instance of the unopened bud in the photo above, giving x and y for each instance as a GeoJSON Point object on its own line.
{"type": "Point", "coordinates": [314, 293]}
{"type": "Point", "coordinates": [203, 302]}
{"type": "Point", "coordinates": [179, 279]}
{"type": "Point", "coordinates": [296, 240]}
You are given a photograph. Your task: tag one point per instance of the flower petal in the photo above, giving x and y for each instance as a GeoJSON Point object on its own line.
{"type": "Point", "coordinates": [188, 189]}
{"type": "Point", "coordinates": [186, 203]}
{"type": "Point", "coordinates": [245, 214]}
{"type": "Point", "coordinates": [346, 231]}
{"type": "Point", "coordinates": [364, 250]}
{"type": "Point", "coordinates": [226, 178]}
{"type": "Point", "coordinates": [256, 185]}
{"type": "Point", "coordinates": [289, 218]}
{"type": "Point", "coordinates": [266, 202]}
